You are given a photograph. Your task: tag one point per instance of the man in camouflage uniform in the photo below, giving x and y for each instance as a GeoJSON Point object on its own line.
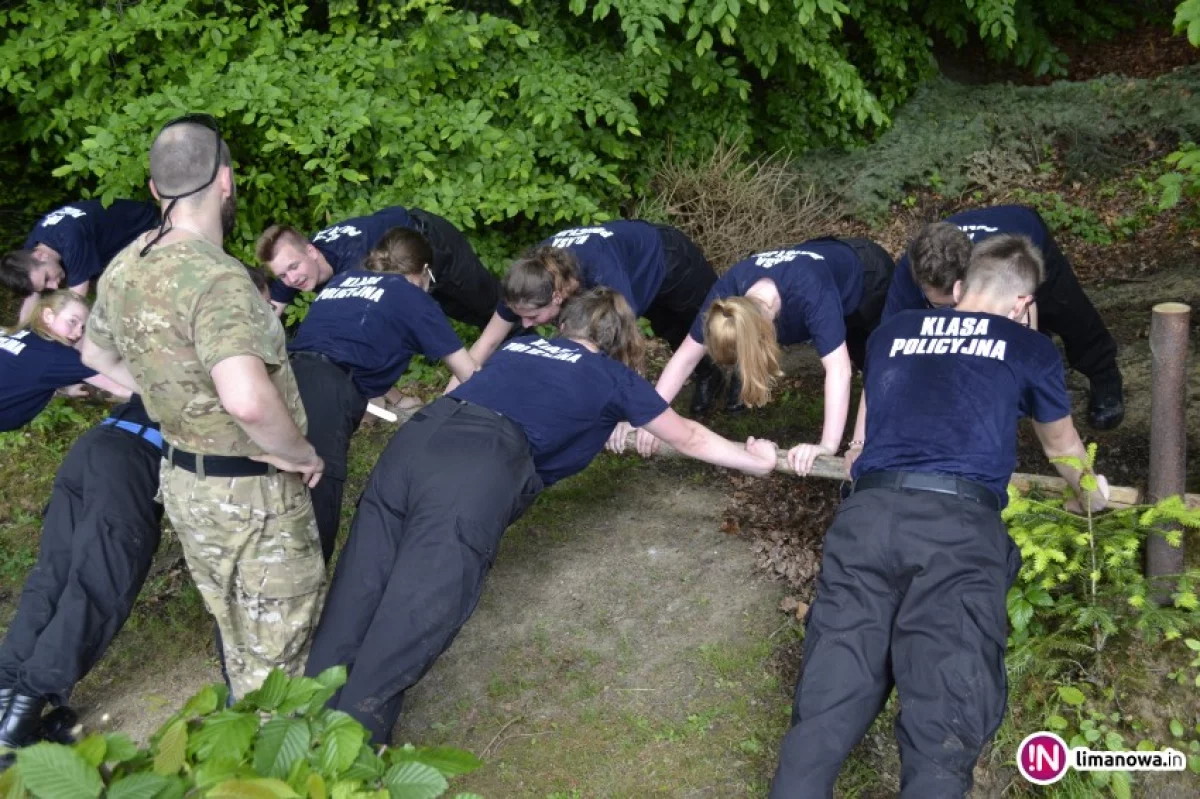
{"type": "Point", "coordinates": [181, 319]}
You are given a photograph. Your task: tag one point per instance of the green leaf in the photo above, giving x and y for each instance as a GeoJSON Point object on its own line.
{"type": "Point", "coordinates": [253, 789]}
{"type": "Point", "coordinates": [1121, 785]}
{"type": "Point", "coordinates": [414, 781]}
{"type": "Point", "coordinates": [52, 770]}
{"type": "Point", "coordinates": [449, 761]}
{"type": "Point", "coordinates": [280, 743]}
{"type": "Point", "coordinates": [92, 749]}
{"type": "Point", "coordinates": [205, 701]}
{"type": "Point", "coordinates": [1057, 723]}
{"type": "Point", "coordinates": [172, 749]}
{"type": "Point", "coordinates": [1176, 728]}
{"type": "Point", "coordinates": [119, 748]}
{"type": "Point", "coordinates": [340, 743]}
{"type": "Point", "coordinates": [1114, 741]}
{"type": "Point", "coordinates": [1071, 695]}
{"type": "Point", "coordinates": [271, 693]}
{"type": "Point", "coordinates": [217, 770]}
{"type": "Point", "coordinates": [225, 735]}
{"type": "Point", "coordinates": [1192, 644]}
{"type": "Point", "coordinates": [137, 786]}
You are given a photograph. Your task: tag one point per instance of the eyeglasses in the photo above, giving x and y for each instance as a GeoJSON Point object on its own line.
{"type": "Point", "coordinates": [204, 120]}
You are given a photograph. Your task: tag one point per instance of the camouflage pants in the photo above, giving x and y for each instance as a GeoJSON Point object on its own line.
{"type": "Point", "coordinates": [251, 545]}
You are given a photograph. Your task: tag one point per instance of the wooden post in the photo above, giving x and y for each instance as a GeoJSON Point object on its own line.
{"type": "Point", "coordinates": [1168, 432]}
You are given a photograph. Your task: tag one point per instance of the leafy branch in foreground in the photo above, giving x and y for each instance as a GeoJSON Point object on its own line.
{"type": "Point", "coordinates": [279, 742]}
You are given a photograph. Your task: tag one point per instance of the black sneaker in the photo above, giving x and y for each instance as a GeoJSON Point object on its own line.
{"type": "Point", "coordinates": [1106, 408]}
{"type": "Point", "coordinates": [733, 400]}
{"type": "Point", "coordinates": [708, 386]}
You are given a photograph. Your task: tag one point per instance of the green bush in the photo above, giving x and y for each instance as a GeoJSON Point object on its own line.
{"type": "Point", "coordinates": [517, 115]}
{"type": "Point", "coordinates": [279, 742]}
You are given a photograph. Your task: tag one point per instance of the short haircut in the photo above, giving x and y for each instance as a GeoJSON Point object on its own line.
{"type": "Point", "coordinates": [603, 317]}
{"type": "Point", "coordinates": [268, 242]}
{"type": "Point", "coordinates": [938, 256]}
{"type": "Point", "coordinates": [1007, 265]}
{"type": "Point", "coordinates": [15, 268]}
{"type": "Point", "coordinates": [182, 156]}
{"type": "Point", "coordinates": [402, 251]}
{"type": "Point", "coordinates": [538, 273]}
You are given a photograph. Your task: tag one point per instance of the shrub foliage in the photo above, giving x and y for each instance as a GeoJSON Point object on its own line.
{"type": "Point", "coordinates": [505, 113]}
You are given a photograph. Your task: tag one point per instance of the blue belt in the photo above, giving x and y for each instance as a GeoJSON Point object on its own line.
{"type": "Point", "coordinates": [148, 433]}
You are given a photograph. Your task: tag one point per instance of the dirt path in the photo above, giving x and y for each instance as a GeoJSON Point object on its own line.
{"type": "Point", "coordinates": [623, 647]}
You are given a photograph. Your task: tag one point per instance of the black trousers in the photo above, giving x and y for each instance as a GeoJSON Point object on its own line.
{"type": "Point", "coordinates": [911, 593]}
{"type": "Point", "coordinates": [1065, 310]}
{"type": "Point", "coordinates": [99, 535]}
{"type": "Point", "coordinates": [877, 277]}
{"type": "Point", "coordinates": [463, 286]}
{"type": "Point", "coordinates": [428, 525]}
{"type": "Point", "coordinates": [688, 281]}
{"type": "Point", "coordinates": [335, 409]}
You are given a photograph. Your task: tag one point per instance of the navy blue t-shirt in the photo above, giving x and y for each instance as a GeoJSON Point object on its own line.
{"type": "Point", "coordinates": [373, 323]}
{"type": "Point", "coordinates": [627, 256]}
{"type": "Point", "coordinates": [820, 283]}
{"type": "Point", "coordinates": [31, 370]}
{"type": "Point", "coordinates": [945, 390]}
{"type": "Point", "coordinates": [87, 235]}
{"type": "Point", "coordinates": [346, 244]}
{"type": "Point", "coordinates": [565, 397]}
{"type": "Point", "coordinates": [982, 223]}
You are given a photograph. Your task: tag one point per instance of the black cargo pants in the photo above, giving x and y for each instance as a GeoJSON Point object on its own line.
{"type": "Point", "coordinates": [911, 593]}
{"type": "Point", "coordinates": [1065, 310]}
{"type": "Point", "coordinates": [99, 535]}
{"type": "Point", "coordinates": [427, 529]}
{"type": "Point", "coordinates": [335, 409]}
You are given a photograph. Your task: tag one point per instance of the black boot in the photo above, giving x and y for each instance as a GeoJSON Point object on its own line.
{"type": "Point", "coordinates": [733, 400]}
{"type": "Point", "coordinates": [22, 722]}
{"type": "Point", "coordinates": [1106, 407]}
{"type": "Point", "coordinates": [708, 386]}
{"type": "Point", "coordinates": [60, 726]}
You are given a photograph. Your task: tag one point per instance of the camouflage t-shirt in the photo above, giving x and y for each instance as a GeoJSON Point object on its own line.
{"type": "Point", "coordinates": [173, 316]}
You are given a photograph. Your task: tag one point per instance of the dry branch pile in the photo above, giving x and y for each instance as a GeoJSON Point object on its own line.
{"type": "Point", "coordinates": [732, 207]}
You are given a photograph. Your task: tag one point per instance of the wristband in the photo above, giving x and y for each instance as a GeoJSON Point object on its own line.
{"type": "Point", "coordinates": [856, 445]}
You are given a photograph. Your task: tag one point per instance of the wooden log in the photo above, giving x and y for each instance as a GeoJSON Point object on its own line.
{"type": "Point", "coordinates": [834, 468]}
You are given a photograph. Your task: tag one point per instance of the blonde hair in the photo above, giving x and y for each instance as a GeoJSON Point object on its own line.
{"type": "Point", "coordinates": [56, 302]}
{"type": "Point", "coordinates": [603, 317]}
{"type": "Point", "coordinates": [737, 333]}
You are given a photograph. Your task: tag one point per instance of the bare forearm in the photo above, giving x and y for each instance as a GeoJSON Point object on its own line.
{"type": "Point", "coordinates": [278, 435]}
{"type": "Point", "coordinates": [489, 340]}
{"type": "Point", "coordinates": [705, 445]}
{"type": "Point", "coordinates": [679, 368]}
{"type": "Point", "coordinates": [112, 386]}
{"type": "Point", "coordinates": [837, 406]}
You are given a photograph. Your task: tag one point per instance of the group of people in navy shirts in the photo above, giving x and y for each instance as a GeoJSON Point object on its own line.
{"type": "Point", "coordinates": [916, 565]}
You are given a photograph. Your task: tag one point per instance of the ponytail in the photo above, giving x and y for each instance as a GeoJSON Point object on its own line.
{"type": "Point", "coordinates": [736, 333]}
{"type": "Point", "coordinates": [537, 274]}
{"type": "Point", "coordinates": [603, 317]}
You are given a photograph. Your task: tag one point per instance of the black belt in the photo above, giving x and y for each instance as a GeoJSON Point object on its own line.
{"type": "Point", "coordinates": [934, 483]}
{"type": "Point", "coordinates": [217, 465]}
